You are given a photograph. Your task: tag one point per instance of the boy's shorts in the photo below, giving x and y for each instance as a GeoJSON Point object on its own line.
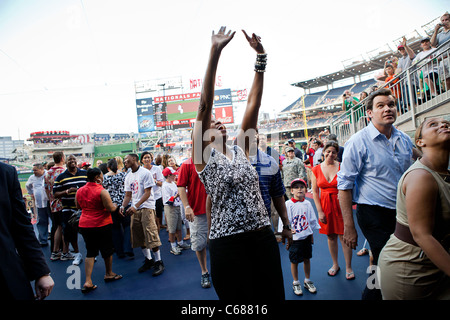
{"type": "Point", "coordinates": [300, 250]}
{"type": "Point", "coordinates": [173, 218]}
{"type": "Point", "coordinates": [144, 231]}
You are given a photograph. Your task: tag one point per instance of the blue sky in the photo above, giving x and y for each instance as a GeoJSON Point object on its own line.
{"type": "Point", "coordinates": [71, 64]}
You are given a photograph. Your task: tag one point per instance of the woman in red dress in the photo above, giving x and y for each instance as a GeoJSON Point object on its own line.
{"type": "Point", "coordinates": [324, 179]}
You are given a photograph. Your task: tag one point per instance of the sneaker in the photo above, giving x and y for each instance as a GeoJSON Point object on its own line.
{"type": "Point", "coordinates": [67, 256]}
{"type": "Point", "coordinates": [297, 289]}
{"type": "Point", "coordinates": [78, 259]}
{"type": "Point", "coordinates": [55, 256]}
{"type": "Point", "coordinates": [309, 285]}
{"type": "Point", "coordinates": [205, 282]}
{"type": "Point", "coordinates": [175, 250]}
{"type": "Point", "coordinates": [158, 268]}
{"type": "Point", "coordinates": [148, 264]}
{"type": "Point", "coordinates": [184, 246]}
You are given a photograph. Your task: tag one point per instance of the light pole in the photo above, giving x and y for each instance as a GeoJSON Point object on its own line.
{"type": "Point", "coordinates": [163, 85]}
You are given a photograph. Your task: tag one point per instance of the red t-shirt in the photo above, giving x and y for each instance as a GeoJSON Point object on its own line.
{"type": "Point", "coordinates": [93, 214]}
{"type": "Point", "coordinates": [188, 177]}
{"type": "Point", "coordinates": [311, 153]}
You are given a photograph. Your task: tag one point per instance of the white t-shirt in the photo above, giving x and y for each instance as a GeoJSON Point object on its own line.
{"type": "Point", "coordinates": [136, 183]}
{"type": "Point", "coordinates": [317, 156]}
{"type": "Point", "coordinates": [428, 66]}
{"type": "Point", "coordinates": [301, 217]}
{"type": "Point", "coordinates": [157, 176]}
{"type": "Point", "coordinates": [168, 190]}
{"type": "Point", "coordinates": [35, 186]}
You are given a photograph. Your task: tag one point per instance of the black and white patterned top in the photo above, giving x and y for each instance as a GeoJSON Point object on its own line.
{"type": "Point", "coordinates": [237, 205]}
{"type": "Point", "coordinates": [115, 186]}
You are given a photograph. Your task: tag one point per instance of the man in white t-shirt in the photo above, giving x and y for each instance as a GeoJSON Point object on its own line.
{"type": "Point", "coordinates": [156, 171]}
{"type": "Point", "coordinates": [144, 231]}
{"type": "Point", "coordinates": [430, 69]}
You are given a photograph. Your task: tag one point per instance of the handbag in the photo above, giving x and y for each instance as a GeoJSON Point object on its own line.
{"type": "Point", "coordinates": [75, 218]}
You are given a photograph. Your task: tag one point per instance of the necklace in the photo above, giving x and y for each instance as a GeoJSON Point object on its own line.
{"type": "Point", "coordinates": [445, 177]}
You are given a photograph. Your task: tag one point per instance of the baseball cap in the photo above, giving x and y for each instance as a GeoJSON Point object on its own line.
{"type": "Point", "coordinates": [425, 39]}
{"type": "Point", "coordinates": [168, 171]}
{"type": "Point", "coordinates": [291, 140]}
{"type": "Point", "coordinates": [289, 149]}
{"type": "Point", "coordinates": [85, 164]}
{"type": "Point", "coordinates": [298, 180]}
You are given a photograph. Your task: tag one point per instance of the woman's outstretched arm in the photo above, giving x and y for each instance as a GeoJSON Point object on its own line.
{"type": "Point", "coordinates": [203, 121]}
{"type": "Point", "coordinates": [250, 119]}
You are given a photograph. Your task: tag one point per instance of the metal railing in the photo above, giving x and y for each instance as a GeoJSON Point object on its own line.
{"type": "Point", "coordinates": [419, 89]}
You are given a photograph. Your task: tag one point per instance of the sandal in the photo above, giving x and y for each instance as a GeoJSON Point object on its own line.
{"type": "Point", "coordinates": [332, 272]}
{"type": "Point", "coordinates": [88, 289]}
{"type": "Point", "coordinates": [350, 275]}
{"type": "Point", "coordinates": [362, 252]}
{"type": "Point", "coordinates": [114, 278]}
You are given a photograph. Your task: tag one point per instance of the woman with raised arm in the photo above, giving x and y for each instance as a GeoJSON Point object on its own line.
{"type": "Point", "coordinates": [244, 255]}
{"type": "Point", "coordinates": [415, 262]}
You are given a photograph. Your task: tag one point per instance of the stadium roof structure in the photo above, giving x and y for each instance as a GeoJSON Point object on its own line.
{"type": "Point", "coordinates": [374, 60]}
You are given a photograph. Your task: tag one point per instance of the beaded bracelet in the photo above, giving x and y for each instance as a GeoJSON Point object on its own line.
{"type": "Point", "coordinates": [261, 62]}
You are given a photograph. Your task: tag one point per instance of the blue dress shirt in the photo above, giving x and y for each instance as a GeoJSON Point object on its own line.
{"type": "Point", "coordinates": [372, 165]}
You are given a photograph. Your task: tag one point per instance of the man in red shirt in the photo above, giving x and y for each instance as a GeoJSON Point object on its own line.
{"type": "Point", "coordinates": [193, 196]}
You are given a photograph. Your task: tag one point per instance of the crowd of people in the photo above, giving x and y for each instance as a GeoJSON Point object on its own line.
{"type": "Point", "coordinates": [241, 200]}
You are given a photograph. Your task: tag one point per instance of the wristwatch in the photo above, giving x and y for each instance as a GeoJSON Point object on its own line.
{"type": "Point", "coordinates": [287, 227]}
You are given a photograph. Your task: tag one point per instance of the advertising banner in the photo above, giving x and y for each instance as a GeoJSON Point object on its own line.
{"type": "Point", "coordinates": [223, 107]}
{"type": "Point", "coordinates": [145, 115]}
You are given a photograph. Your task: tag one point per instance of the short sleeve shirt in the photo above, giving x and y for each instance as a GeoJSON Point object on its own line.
{"type": "Point", "coordinates": [136, 183]}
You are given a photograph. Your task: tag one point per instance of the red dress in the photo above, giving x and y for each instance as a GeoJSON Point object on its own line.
{"type": "Point", "coordinates": [330, 203]}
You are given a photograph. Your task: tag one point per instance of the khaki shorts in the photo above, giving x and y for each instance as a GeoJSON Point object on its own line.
{"type": "Point", "coordinates": [173, 218]}
{"type": "Point", "coordinates": [144, 231]}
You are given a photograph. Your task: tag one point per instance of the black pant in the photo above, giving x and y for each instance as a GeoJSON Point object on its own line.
{"type": "Point", "coordinates": [377, 224]}
{"type": "Point", "coordinates": [246, 266]}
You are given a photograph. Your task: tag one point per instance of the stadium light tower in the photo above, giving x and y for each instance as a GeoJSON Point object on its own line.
{"type": "Point", "coordinates": [163, 85]}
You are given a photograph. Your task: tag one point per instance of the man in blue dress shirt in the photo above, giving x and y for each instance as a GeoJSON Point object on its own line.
{"type": "Point", "coordinates": [374, 159]}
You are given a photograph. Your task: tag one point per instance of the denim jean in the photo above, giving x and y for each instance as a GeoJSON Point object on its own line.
{"type": "Point", "coordinates": [43, 220]}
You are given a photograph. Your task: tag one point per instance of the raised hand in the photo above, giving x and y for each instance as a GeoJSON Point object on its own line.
{"type": "Point", "coordinates": [255, 42]}
{"type": "Point", "coordinates": [403, 42]}
{"type": "Point", "coordinates": [221, 39]}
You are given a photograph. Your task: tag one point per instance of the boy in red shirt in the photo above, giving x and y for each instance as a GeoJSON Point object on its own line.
{"type": "Point", "coordinates": [193, 196]}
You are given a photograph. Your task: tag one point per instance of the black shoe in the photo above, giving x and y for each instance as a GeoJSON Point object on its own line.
{"type": "Point", "coordinates": [148, 264]}
{"type": "Point", "coordinates": [158, 268]}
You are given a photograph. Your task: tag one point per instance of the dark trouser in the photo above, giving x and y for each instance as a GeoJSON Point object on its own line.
{"type": "Point", "coordinates": [42, 224]}
{"type": "Point", "coordinates": [377, 224]}
{"type": "Point", "coordinates": [246, 266]}
{"type": "Point", "coordinates": [70, 233]}
{"type": "Point", "coordinates": [56, 222]}
{"type": "Point", "coordinates": [121, 233]}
